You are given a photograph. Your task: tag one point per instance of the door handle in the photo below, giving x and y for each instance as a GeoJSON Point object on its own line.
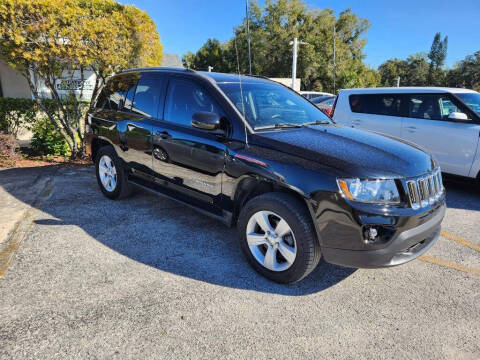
{"type": "Point", "coordinates": [163, 134]}
{"type": "Point", "coordinates": [411, 129]}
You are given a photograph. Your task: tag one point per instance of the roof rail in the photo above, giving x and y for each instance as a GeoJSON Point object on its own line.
{"type": "Point", "coordinates": [161, 68]}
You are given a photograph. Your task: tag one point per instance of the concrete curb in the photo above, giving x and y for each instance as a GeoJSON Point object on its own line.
{"type": "Point", "coordinates": [42, 186]}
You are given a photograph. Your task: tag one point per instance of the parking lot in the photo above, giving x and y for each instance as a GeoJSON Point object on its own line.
{"type": "Point", "coordinates": [146, 277]}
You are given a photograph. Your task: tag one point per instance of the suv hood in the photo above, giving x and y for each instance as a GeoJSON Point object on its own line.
{"type": "Point", "coordinates": [351, 152]}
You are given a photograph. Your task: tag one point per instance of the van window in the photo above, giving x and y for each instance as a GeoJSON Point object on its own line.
{"type": "Point", "coordinates": [185, 98]}
{"type": "Point", "coordinates": [424, 106]}
{"type": "Point", "coordinates": [377, 104]}
{"type": "Point", "coordinates": [147, 97]}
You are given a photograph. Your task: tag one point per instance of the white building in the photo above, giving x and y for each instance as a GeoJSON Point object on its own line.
{"type": "Point", "coordinates": [13, 84]}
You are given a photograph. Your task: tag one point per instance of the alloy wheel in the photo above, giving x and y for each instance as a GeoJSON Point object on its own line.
{"type": "Point", "coordinates": [271, 241]}
{"type": "Point", "coordinates": [108, 173]}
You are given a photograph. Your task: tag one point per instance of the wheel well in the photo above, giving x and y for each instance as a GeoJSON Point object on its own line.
{"type": "Point", "coordinates": [252, 187]}
{"type": "Point", "coordinates": [97, 144]}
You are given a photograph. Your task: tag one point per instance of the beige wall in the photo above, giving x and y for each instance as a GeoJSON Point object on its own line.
{"type": "Point", "coordinates": [12, 82]}
{"type": "Point", "coordinates": [288, 82]}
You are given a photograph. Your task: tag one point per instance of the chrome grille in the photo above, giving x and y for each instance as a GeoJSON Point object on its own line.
{"type": "Point", "coordinates": [425, 190]}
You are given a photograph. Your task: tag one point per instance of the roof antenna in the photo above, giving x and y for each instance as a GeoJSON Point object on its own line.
{"type": "Point", "coordinates": [241, 89]}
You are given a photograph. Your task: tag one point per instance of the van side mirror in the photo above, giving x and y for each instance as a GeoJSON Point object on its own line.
{"type": "Point", "coordinates": [458, 116]}
{"type": "Point", "coordinates": [206, 120]}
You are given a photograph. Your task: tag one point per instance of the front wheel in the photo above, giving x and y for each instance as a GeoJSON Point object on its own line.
{"type": "Point", "coordinates": [278, 238]}
{"type": "Point", "coordinates": [111, 176]}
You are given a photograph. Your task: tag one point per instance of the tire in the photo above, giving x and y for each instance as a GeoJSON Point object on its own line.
{"type": "Point", "coordinates": [267, 257]}
{"type": "Point", "coordinates": [118, 186]}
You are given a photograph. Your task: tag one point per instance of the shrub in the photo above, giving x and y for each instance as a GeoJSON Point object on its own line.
{"type": "Point", "coordinates": [48, 141]}
{"type": "Point", "coordinates": [15, 113]}
{"type": "Point", "coordinates": [8, 151]}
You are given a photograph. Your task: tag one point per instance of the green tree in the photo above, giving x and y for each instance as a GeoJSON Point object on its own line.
{"type": "Point", "coordinates": [212, 53]}
{"type": "Point", "coordinates": [437, 56]}
{"type": "Point", "coordinates": [273, 27]}
{"type": "Point", "coordinates": [466, 73]}
{"type": "Point", "coordinates": [412, 72]}
{"type": "Point", "coordinates": [48, 40]}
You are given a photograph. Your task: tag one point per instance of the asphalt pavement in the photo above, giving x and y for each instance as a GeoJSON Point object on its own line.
{"type": "Point", "coordinates": [146, 277]}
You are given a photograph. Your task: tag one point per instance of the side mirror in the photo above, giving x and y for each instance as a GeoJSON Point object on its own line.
{"type": "Point", "coordinates": [458, 116]}
{"type": "Point", "coordinates": [206, 120]}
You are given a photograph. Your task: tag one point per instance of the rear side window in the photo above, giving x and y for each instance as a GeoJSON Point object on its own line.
{"type": "Point", "coordinates": [377, 104]}
{"type": "Point", "coordinates": [185, 98]}
{"type": "Point", "coordinates": [116, 96]}
{"type": "Point", "coordinates": [147, 98]}
{"type": "Point", "coordinates": [102, 99]}
{"type": "Point", "coordinates": [114, 93]}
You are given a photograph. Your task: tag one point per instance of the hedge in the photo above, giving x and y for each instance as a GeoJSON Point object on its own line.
{"type": "Point", "coordinates": [15, 113]}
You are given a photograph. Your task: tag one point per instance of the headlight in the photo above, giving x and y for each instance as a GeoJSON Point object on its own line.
{"type": "Point", "coordinates": [370, 191]}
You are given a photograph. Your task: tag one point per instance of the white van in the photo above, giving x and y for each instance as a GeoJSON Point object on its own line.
{"type": "Point", "coordinates": [314, 94]}
{"type": "Point", "coordinates": [444, 121]}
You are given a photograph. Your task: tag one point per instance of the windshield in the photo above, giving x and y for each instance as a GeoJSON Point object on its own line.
{"type": "Point", "coordinates": [472, 100]}
{"type": "Point", "coordinates": [269, 105]}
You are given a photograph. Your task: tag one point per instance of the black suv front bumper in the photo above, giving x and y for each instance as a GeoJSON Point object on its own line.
{"type": "Point", "coordinates": [406, 246]}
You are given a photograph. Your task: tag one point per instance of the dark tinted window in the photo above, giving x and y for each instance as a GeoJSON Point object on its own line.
{"type": "Point", "coordinates": [128, 89]}
{"type": "Point", "coordinates": [147, 97]}
{"type": "Point", "coordinates": [378, 104]}
{"type": "Point", "coordinates": [114, 93]}
{"type": "Point", "coordinates": [185, 98]}
{"type": "Point", "coordinates": [424, 106]}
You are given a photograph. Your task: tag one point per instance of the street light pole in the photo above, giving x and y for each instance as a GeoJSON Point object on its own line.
{"type": "Point", "coordinates": [334, 57]}
{"type": "Point", "coordinates": [295, 44]}
{"type": "Point", "coordinates": [294, 62]}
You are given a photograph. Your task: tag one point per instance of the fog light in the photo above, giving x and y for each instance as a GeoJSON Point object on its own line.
{"type": "Point", "coordinates": [371, 235]}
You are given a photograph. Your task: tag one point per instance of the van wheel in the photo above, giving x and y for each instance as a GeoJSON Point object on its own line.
{"type": "Point", "coordinates": [111, 175]}
{"type": "Point", "coordinates": [278, 238]}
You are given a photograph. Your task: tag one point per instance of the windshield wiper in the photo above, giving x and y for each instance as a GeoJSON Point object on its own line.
{"type": "Point", "coordinates": [279, 126]}
{"type": "Point", "coordinates": [320, 122]}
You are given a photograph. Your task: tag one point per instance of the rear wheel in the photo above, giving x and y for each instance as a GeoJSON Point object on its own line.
{"type": "Point", "coordinates": [278, 238]}
{"type": "Point", "coordinates": [111, 176]}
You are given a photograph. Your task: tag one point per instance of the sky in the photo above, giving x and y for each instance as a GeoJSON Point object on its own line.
{"type": "Point", "coordinates": [398, 28]}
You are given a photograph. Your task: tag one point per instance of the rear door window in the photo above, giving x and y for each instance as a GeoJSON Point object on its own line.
{"type": "Point", "coordinates": [148, 97]}
{"type": "Point", "coordinates": [377, 104]}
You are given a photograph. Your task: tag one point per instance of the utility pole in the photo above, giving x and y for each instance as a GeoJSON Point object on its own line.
{"type": "Point", "coordinates": [295, 44]}
{"type": "Point", "coordinates": [294, 62]}
{"type": "Point", "coordinates": [248, 37]}
{"type": "Point", "coordinates": [334, 58]}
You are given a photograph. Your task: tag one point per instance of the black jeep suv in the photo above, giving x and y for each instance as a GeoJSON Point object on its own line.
{"type": "Point", "coordinates": [255, 154]}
